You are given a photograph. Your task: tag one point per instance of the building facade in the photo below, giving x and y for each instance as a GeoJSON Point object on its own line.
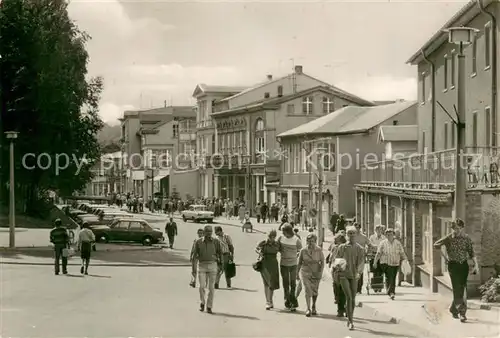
{"type": "Point", "coordinates": [206, 96]}
{"type": "Point", "coordinates": [108, 177]}
{"type": "Point", "coordinates": [348, 138]}
{"type": "Point", "coordinates": [248, 123]}
{"type": "Point", "coordinates": [418, 192]}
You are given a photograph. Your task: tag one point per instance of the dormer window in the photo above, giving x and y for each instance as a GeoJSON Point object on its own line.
{"type": "Point", "coordinates": [280, 91]}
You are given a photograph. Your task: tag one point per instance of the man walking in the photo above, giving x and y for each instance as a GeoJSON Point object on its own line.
{"type": "Point", "coordinates": [390, 253]}
{"type": "Point", "coordinates": [171, 231]}
{"type": "Point", "coordinates": [362, 240]}
{"type": "Point", "coordinates": [208, 253]}
{"type": "Point", "coordinates": [60, 238]}
{"type": "Point", "coordinates": [458, 248]}
{"type": "Point", "coordinates": [377, 281]}
{"type": "Point", "coordinates": [289, 247]}
{"type": "Point", "coordinates": [194, 261]}
{"type": "Point", "coordinates": [227, 255]}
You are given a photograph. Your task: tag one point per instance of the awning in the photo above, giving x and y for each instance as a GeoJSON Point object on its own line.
{"type": "Point", "coordinates": [159, 177]}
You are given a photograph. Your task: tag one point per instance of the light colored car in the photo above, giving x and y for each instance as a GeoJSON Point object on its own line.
{"type": "Point", "coordinates": [197, 213]}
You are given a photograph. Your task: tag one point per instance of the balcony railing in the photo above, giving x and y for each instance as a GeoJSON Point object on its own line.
{"type": "Point", "coordinates": [435, 170]}
{"type": "Point", "coordinates": [204, 123]}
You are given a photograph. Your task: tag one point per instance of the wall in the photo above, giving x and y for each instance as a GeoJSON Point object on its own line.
{"type": "Point", "coordinates": [184, 182]}
{"type": "Point", "coordinates": [478, 90]}
{"type": "Point", "coordinates": [404, 147]}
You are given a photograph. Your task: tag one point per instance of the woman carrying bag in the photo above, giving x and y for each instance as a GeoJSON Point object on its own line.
{"type": "Point", "coordinates": [268, 267]}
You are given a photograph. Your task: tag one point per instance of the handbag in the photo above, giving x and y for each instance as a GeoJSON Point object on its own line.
{"type": "Point", "coordinates": [68, 252]}
{"type": "Point", "coordinates": [405, 267]}
{"type": "Point", "coordinates": [257, 266]}
{"type": "Point", "coordinates": [230, 270]}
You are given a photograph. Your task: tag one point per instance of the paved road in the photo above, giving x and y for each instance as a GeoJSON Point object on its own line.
{"type": "Point", "coordinates": [148, 302]}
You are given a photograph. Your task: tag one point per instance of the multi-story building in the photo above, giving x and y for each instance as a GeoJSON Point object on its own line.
{"type": "Point", "coordinates": [206, 96]}
{"type": "Point", "coordinates": [347, 138]}
{"type": "Point", "coordinates": [418, 191]}
{"type": "Point", "coordinates": [247, 124]}
{"type": "Point", "coordinates": [108, 176]}
{"type": "Point", "coordinates": [151, 140]}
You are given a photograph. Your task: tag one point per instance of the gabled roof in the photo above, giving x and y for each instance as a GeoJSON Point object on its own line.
{"type": "Point", "coordinates": [461, 18]}
{"type": "Point", "coordinates": [402, 133]}
{"type": "Point", "coordinates": [349, 120]}
{"type": "Point", "coordinates": [274, 102]}
{"type": "Point", "coordinates": [204, 88]}
{"type": "Point", "coordinates": [346, 95]}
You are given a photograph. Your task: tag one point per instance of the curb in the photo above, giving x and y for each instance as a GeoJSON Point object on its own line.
{"type": "Point", "coordinates": [48, 248]}
{"type": "Point", "coordinates": [136, 265]}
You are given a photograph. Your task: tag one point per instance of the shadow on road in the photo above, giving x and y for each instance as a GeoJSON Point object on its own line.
{"type": "Point", "coordinates": [240, 289]}
{"type": "Point", "coordinates": [383, 333]}
{"type": "Point", "coordinates": [136, 256]}
{"type": "Point", "coordinates": [230, 315]}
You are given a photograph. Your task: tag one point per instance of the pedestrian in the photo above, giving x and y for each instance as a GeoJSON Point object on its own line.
{"type": "Point", "coordinates": [208, 253]}
{"type": "Point", "coordinates": [268, 250]}
{"type": "Point", "coordinates": [296, 231]}
{"type": "Point", "coordinates": [338, 293]}
{"type": "Point", "coordinates": [171, 232]}
{"type": "Point", "coordinates": [310, 271]}
{"type": "Point", "coordinates": [290, 245]}
{"type": "Point", "coordinates": [362, 240]}
{"type": "Point", "coordinates": [303, 218]}
{"type": "Point", "coordinates": [341, 224]}
{"type": "Point", "coordinates": [264, 211]}
{"type": "Point", "coordinates": [227, 255]}
{"type": "Point", "coordinates": [459, 249]}
{"type": "Point", "coordinates": [258, 212]}
{"type": "Point", "coordinates": [86, 238]}
{"type": "Point", "coordinates": [377, 281]}
{"type": "Point", "coordinates": [194, 261]}
{"type": "Point", "coordinates": [242, 213]}
{"type": "Point", "coordinates": [60, 238]}
{"type": "Point", "coordinates": [390, 254]}
{"type": "Point", "coordinates": [354, 257]}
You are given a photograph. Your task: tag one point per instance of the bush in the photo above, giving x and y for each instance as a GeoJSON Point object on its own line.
{"type": "Point", "coordinates": [490, 291]}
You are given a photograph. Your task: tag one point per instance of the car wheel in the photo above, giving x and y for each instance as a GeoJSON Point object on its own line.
{"type": "Point", "coordinates": [184, 218]}
{"type": "Point", "coordinates": [147, 241]}
{"type": "Point", "coordinates": [103, 238]}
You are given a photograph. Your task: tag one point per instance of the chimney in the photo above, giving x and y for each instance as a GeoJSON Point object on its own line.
{"type": "Point", "coordinates": [165, 103]}
{"type": "Point", "coordinates": [298, 69]}
{"type": "Point", "coordinates": [269, 77]}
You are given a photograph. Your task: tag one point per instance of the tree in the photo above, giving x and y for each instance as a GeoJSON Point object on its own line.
{"type": "Point", "coordinates": [47, 96]}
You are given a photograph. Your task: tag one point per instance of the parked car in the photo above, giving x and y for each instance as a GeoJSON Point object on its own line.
{"type": "Point", "coordinates": [108, 217]}
{"type": "Point", "coordinates": [92, 220]}
{"type": "Point", "coordinates": [197, 213]}
{"type": "Point", "coordinates": [128, 230]}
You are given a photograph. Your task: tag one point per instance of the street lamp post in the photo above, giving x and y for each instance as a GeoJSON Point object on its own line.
{"type": "Point", "coordinates": [461, 36]}
{"type": "Point", "coordinates": [12, 135]}
{"type": "Point", "coordinates": [321, 230]}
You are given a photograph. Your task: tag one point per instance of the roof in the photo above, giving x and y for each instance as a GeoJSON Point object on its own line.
{"type": "Point", "coordinates": [349, 120]}
{"type": "Point", "coordinates": [461, 18]}
{"type": "Point", "coordinates": [274, 102]}
{"type": "Point", "coordinates": [398, 133]}
{"type": "Point", "coordinates": [204, 88]}
{"type": "Point", "coordinates": [344, 93]}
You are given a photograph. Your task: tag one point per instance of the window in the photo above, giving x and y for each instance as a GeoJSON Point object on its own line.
{"type": "Point", "coordinates": [445, 136]}
{"type": "Point", "coordinates": [453, 130]}
{"type": "Point", "coordinates": [307, 105]}
{"type": "Point", "coordinates": [445, 230]}
{"type": "Point", "coordinates": [213, 144]}
{"type": "Point", "coordinates": [423, 142]}
{"type": "Point", "coordinates": [474, 129]}
{"type": "Point", "coordinates": [290, 109]}
{"type": "Point", "coordinates": [487, 45]}
{"type": "Point", "coordinates": [305, 159]}
{"type": "Point", "coordinates": [328, 157]}
{"type": "Point", "coordinates": [453, 70]}
{"type": "Point", "coordinates": [474, 55]}
{"type": "Point", "coordinates": [175, 130]}
{"type": "Point", "coordinates": [295, 158]}
{"type": "Point", "coordinates": [286, 158]}
{"type": "Point", "coordinates": [422, 87]}
{"type": "Point", "coordinates": [280, 91]}
{"type": "Point", "coordinates": [327, 105]}
{"type": "Point", "coordinates": [487, 117]}
{"type": "Point", "coordinates": [426, 240]}
{"type": "Point", "coordinates": [136, 226]}
{"type": "Point", "coordinates": [123, 225]}
{"type": "Point", "coordinates": [445, 73]}
{"type": "Point", "coordinates": [259, 125]}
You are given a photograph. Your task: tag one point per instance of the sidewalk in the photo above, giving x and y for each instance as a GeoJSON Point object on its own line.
{"type": "Point", "coordinates": [418, 306]}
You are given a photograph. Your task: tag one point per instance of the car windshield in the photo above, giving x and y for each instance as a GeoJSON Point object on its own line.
{"type": "Point", "coordinates": [200, 208]}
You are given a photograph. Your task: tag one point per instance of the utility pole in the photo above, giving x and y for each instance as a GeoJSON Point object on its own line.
{"type": "Point", "coordinates": [460, 171]}
{"type": "Point", "coordinates": [12, 135]}
{"type": "Point", "coordinates": [321, 230]}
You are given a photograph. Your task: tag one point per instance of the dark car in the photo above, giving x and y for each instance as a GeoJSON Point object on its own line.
{"type": "Point", "coordinates": [128, 230]}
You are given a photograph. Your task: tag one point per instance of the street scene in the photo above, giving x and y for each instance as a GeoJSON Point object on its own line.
{"type": "Point", "coordinates": [249, 169]}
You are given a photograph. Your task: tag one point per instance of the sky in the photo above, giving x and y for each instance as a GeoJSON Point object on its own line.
{"type": "Point", "coordinates": [155, 52]}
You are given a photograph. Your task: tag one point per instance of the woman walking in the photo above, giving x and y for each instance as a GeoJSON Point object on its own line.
{"type": "Point", "coordinates": [85, 239]}
{"type": "Point", "coordinates": [268, 250]}
{"type": "Point", "coordinates": [354, 256]}
{"type": "Point", "coordinates": [311, 264]}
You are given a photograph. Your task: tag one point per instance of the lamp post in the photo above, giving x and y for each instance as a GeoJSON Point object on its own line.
{"type": "Point", "coordinates": [460, 36]}
{"type": "Point", "coordinates": [12, 135]}
{"type": "Point", "coordinates": [321, 230]}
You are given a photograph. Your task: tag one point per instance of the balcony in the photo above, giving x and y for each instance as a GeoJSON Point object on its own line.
{"type": "Point", "coordinates": [204, 124]}
{"type": "Point", "coordinates": [435, 171]}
